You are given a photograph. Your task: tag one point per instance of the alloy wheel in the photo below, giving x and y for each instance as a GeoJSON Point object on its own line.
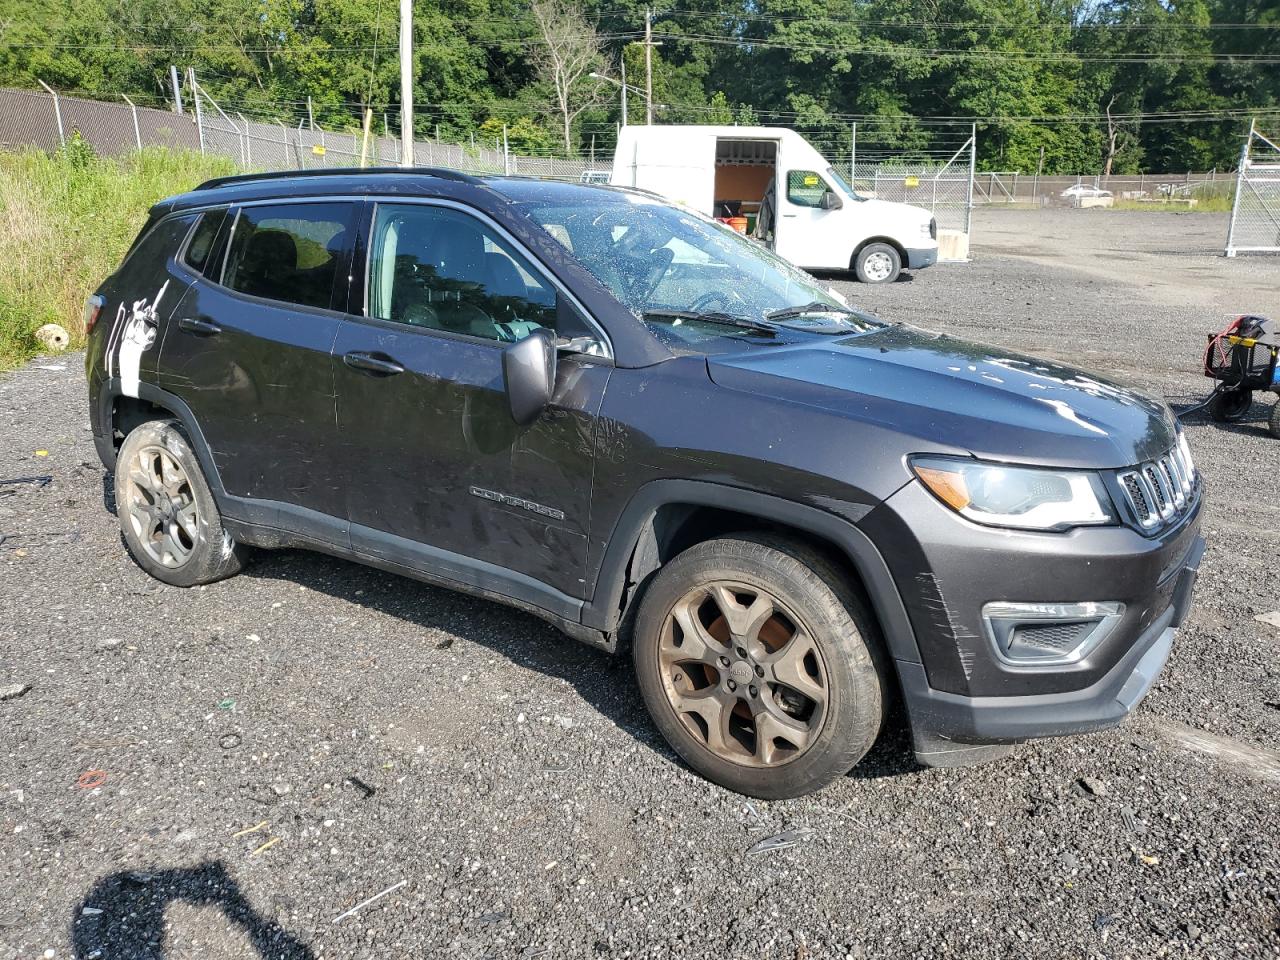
{"type": "Point", "coordinates": [161, 506]}
{"type": "Point", "coordinates": [743, 674]}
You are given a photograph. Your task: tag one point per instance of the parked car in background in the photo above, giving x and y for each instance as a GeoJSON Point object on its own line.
{"type": "Point", "coordinates": [783, 191]}
{"type": "Point", "coordinates": [652, 432]}
{"type": "Point", "coordinates": [1082, 195]}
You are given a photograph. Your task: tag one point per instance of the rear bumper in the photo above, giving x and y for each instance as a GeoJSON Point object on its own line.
{"type": "Point", "coordinates": [920, 257]}
{"type": "Point", "coordinates": [951, 729]}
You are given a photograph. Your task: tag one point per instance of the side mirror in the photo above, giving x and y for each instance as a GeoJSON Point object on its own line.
{"type": "Point", "coordinates": [529, 375]}
{"type": "Point", "coordinates": [830, 201]}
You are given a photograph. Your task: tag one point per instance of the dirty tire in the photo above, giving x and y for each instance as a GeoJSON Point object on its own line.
{"type": "Point", "coordinates": [1274, 422]}
{"type": "Point", "coordinates": [1230, 406]}
{"type": "Point", "coordinates": [877, 263]}
{"type": "Point", "coordinates": [801, 585]}
{"type": "Point", "coordinates": [168, 517]}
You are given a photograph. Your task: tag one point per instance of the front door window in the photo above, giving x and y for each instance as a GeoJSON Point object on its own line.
{"type": "Point", "coordinates": [440, 268]}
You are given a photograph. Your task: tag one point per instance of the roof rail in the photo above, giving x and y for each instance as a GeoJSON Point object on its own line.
{"type": "Point", "coordinates": [443, 172]}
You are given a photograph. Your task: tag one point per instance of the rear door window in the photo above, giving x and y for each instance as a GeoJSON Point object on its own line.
{"type": "Point", "coordinates": [289, 252]}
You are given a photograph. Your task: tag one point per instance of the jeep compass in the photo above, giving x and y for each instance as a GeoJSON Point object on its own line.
{"type": "Point", "coordinates": [648, 430]}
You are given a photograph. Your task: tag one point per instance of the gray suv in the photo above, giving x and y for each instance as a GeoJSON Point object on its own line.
{"type": "Point", "coordinates": [648, 430]}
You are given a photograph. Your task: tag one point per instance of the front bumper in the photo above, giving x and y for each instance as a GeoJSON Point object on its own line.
{"type": "Point", "coordinates": [953, 730]}
{"type": "Point", "coordinates": [963, 703]}
{"type": "Point", "coordinates": [920, 257]}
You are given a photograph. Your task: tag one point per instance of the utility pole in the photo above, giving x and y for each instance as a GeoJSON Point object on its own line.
{"type": "Point", "coordinates": [311, 116]}
{"type": "Point", "coordinates": [649, 44]}
{"type": "Point", "coordinates": [406, 82]}
{"type": "Point", "coordinates": [624, 88]}
{"type": "Point", "coordinates": [177, 91]}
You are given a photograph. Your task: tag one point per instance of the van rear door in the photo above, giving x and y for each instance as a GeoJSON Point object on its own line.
{"type": "Point", "coordinates": [676, 163]}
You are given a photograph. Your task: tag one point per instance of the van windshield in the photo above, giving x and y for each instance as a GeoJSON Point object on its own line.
{"type": "Point", "coordinates": [842, 183]}
{"type": "Point", "coordinates": [692, 279]}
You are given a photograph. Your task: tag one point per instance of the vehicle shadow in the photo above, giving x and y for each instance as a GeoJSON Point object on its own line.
{"type": "Point", "coordinates": [123, 916]}
{"type": "Point", "coordinates": [847, 276]}
{"type": "Point", "coordinates": [605, 682]}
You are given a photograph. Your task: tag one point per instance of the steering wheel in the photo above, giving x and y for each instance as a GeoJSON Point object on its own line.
{"type": "Point", "coordinates": [727, 298]}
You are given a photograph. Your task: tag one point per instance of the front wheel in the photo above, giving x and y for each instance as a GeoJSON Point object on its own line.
{"type": "Point", "coordinates": [1274, 422]}
{"type": "Point", "coordinates": [755, 661]}
{"type": "Point", "coordinates": [877, 263]}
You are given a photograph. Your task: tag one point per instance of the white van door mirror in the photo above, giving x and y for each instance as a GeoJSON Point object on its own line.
{"type": "Point", "coordinates": [830, 201]}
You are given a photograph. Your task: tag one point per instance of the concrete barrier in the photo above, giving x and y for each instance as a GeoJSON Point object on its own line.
{"type": "Point", "coordinates": [953, 245]}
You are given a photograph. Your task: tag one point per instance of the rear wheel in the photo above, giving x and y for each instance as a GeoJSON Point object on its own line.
{"type": "Point", "coordinates": [170, 522]}
{"type": "Point", "coordinates": [877, 263]}
{"type": "Point", "coordinates": [755, 661]}
{"type": "Point", "coordinates": [1274, 422]}
{"type": "Point", "coordinates": [1230, 406]}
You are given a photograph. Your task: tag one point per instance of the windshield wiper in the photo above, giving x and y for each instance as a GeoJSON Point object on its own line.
{"type": "Point", "coordinates": [814, 306]}
{"type": "Point", "coordinates": [713, 316]}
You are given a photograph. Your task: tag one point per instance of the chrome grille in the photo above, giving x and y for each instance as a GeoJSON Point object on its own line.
{"type": "Point", "coordinates": [1161, 491]}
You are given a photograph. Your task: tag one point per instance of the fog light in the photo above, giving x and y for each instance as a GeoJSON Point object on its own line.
{"type": "Point", "coordinates": [1048, 634]}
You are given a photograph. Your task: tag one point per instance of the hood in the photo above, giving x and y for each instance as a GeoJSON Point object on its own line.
{"type": "Point", "coordinates": [954, 396]}
{"type": "Point", "coordinates": [903, 212]}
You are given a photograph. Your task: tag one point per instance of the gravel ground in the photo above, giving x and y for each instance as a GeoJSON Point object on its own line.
{"type": "Point", "coordinates": [226, 772]}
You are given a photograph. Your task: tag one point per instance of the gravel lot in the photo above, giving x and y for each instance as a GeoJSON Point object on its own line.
{"type": "Point", "coordinates": [277, 748]}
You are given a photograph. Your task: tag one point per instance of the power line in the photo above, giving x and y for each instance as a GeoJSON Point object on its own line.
{"type": "Point", "coordinates": [968, 54]}
{"type": "Point", "coordinates": [749, 17]}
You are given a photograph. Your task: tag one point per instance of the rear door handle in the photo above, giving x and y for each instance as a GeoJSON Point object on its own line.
{"type": "Point", "coordinates": [201, 327]}
{"type": "Point", "coordinates": [369, 363]}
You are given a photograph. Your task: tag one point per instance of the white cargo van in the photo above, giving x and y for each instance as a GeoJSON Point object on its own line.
{"type": "Point", "coordinates": [799, 204]}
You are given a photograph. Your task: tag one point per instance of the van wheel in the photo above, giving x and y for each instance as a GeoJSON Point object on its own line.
{"type": "Point", "coordinates": [170, 523]}
{"type": "Point", "coordinates": [755, 660]}
{"type": "Point", "coordinates": [877, 263]}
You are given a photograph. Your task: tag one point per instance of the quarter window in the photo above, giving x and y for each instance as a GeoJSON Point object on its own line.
{"type": "Point", "coordinates": [805, 188]}
{"type": "Point", "coordinates": [203, 240]}
{"type": "Point", "coordinates": [289, 252]}
{"type": "Point", "coordinates": [440, 268]}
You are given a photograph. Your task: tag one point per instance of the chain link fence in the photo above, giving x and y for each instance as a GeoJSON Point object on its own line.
{"type": "Point", "coordinates": [1255, 212]}
{"type": "Point", "coordinates": [46, 119]}
{"type": "Point", "coordinates": [943, 188]}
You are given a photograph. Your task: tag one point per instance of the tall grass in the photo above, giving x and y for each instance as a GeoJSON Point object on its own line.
{"type": "Point", "coordinates": [66, 220]}
{"type": "Point", "coordinates": [1216, 196]}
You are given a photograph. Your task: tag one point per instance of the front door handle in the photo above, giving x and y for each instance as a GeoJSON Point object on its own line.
{"type": "Point", "coordinates": [367, 362]}
{"type": "Point", "coordinates": [203, 328]}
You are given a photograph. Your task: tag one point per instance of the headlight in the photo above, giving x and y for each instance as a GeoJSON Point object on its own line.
{"type": "Point", "coordinates": [1027, 498]}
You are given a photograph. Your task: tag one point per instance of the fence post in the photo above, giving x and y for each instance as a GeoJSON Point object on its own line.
{"type": "Point", "coordinates": [195, 101]}
{"type": "Point", "coordinates": [284, 139]}
{"type": "Point", "coordinates": [1235, 203]}
{"type": "Point", "coordinates": [248, 149]}
{"type": "Point", "coordinates": [57, 112]}
{"type": "Point", "coordinates": [973, 165]}
{"type": "Point", "coordinates": [137, 134]}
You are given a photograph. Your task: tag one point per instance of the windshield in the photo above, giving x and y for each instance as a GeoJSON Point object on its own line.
{"type": "Point", "coordinates": [842, 183]}
{"type": "Point", "coordinates": [689, 278]}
